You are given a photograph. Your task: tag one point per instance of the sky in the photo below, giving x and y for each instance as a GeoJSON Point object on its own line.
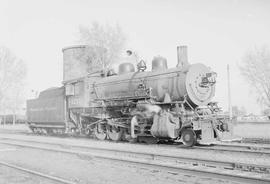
{"type": "Point", "coordinates": [217, 33]}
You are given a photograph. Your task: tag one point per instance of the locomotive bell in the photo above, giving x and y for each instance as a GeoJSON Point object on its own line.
{"type": "Point", "coordinates": [126, 68]}
{"type": "Point", "coordinates": [159, 63]}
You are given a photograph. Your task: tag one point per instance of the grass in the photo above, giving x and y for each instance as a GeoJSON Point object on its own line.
{"type": "Point", "coordinates": [252, 130]}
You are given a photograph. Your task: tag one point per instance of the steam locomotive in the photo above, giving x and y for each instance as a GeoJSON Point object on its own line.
{"type": "Point", "coordinates": [134, 105]}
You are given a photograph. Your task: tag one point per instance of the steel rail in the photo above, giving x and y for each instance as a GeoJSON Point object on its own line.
{"type": "Point", "coordinates": [237, 149]}
{"type": "Point", "coordinates": [256, 140]}
{"type": "Point", "coordinates": [168, 156]}
{"type": "Point", "coordinates": [43, 175]}
{"type": "Point", "coordinates": [253, 151]}
{"type": "Point", "coordinates": [225, 170]}
{"type": "Point", "coordinates": [249, 146]}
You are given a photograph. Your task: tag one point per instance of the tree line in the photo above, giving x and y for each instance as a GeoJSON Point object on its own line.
{"type": "Point", "coordinates": [12, 82]}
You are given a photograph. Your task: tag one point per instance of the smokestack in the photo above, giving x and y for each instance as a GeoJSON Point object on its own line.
{"type": "Point", "coordinates": [182, 57]}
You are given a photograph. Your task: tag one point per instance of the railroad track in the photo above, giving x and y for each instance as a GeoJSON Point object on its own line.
{"type": "Point", "coordinates": [240, 172]}
{"type": "Point", "coordinates": [256, 140]}
{"type": "Point", "coordinates": [238, 148]}
{"type": "Point", "coordinates": [222, 147]}
{"type": "Point", "coordinates": [37, 173]}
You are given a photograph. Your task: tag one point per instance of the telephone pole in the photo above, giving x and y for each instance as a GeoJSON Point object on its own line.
{"type": "Point", "coordinates": [229, 92]}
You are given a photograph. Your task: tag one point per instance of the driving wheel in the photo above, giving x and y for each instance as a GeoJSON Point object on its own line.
{"type": "Point", "coordinates": [100, 131]}
{"type": "Point", "coordinates": [115, 133]}
{"type": "Point", "coordinates": [189, 137]}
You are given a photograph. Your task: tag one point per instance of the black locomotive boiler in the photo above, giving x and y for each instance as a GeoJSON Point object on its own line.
{"type": "Point", "coordinates": [162, 104]}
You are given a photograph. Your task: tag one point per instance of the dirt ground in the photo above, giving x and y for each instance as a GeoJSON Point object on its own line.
{"type": "Point", "coordinates": [86, 170]}
{"type": "Point", "coordinates": [92, 170]}
{"type": "Point", "coordinates": [172, 150]}
{"type": "Point", "coordinates": [13, 176]}
{"type": "Point", "coordinates": [152, 148]}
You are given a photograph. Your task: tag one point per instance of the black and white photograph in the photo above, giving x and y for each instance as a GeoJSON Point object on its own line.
{"type": "Point", "coordinates": [134, 91]}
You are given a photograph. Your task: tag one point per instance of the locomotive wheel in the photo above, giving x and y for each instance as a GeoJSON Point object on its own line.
{"type": "Point", "coordinates": [32, 129]}
{"type": "Point", "coordinates": [100, 132]}
{"type": "Point", "coordinates": [126, 135]}
{"type": "Point", "coordinates": [88, 132]}
{"type": "Point", "coordinates": [188, 137]}
{"type": "Point", "coordinates": [115, 133]}
{"type": "Point", "coordinates": [49, 131]}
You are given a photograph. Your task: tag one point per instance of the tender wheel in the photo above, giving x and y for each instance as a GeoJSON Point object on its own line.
{"type": "Point", "coordinates": [115, 133]}
{"type": "Point", "coordinates": [189, 137]}
{"type": "Point", "coordinates": [100, 131]}
{"type": "Point", "coordinates": [49, 131]}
